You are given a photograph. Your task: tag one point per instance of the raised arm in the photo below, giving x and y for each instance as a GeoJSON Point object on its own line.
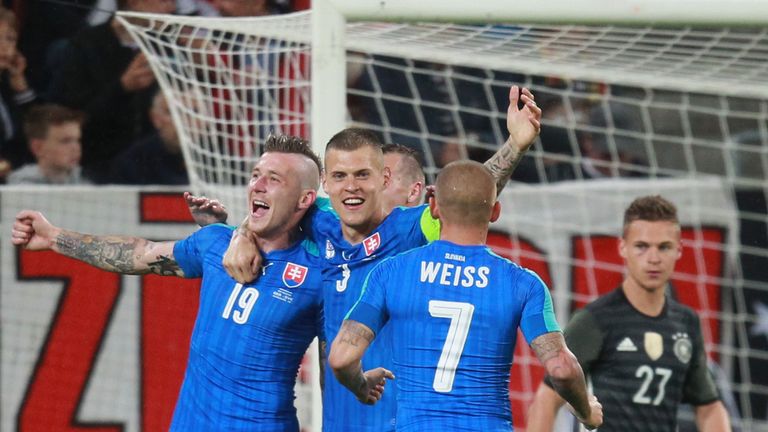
{"type": "Point", "coordinates": [118, 254]}
{"type": "Point", "coordinates": [567, 378]}
{"type": "Point", "coordinates": [523, 126]}
{"type": "Point", "coordinates": [345, 359]}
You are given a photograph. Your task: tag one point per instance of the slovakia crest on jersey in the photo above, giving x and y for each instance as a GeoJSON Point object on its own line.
{"type": "Point", "coordinates": [372, 243]}
{"type": "Point", "coordinates": [294, 275]}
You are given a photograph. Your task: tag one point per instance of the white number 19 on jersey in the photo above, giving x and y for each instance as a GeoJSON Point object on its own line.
{"type": "Point", "coordinates": [460, 315]}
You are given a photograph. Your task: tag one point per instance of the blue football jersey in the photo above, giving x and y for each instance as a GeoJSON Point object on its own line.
{"type": "Point", "coordinates": [346, 267]}
{"type": "Point", "coordinates": [248, 340]}
{"type": "Point", "coordinates": [453, 312]}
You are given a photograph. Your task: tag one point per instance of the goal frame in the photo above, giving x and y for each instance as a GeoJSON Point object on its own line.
{"type": "Point", "coordinates": [329, 18]}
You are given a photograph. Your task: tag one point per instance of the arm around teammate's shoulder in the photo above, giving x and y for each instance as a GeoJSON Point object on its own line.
{"type": "Point", "coordinates": [567, 377]}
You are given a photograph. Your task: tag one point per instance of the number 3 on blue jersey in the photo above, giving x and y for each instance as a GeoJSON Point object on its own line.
{"type": "Point", "coordinates": [341, 285]}
{"type": "Point", "coordinates": [460, 315]}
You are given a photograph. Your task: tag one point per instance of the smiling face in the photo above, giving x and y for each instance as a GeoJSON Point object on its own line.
{"type": "Point", "coordinates": [354, 181]}
{"type": "Point", "coordinates": [278, 195]}
{"type": "Point", "coordinates": [650, 250]}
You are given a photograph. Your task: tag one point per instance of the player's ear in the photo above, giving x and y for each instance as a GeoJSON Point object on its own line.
{"type": "Point", "coordinates": [36, 146]}
{"type": "Point", "coordinates": [433, 209]}
{"type": "Point", "coordinates": [322, 179]}
{"type": "Point", "coordinates": [414, 195]}
{"type": "Point", "coordinates": [622, 245]}
{"type": "Point", "coordinates": [495, 211]}
{"type": "Point", "coordinates": [387, 176]}
{"type": "Point", "coordinates": [308, 197]}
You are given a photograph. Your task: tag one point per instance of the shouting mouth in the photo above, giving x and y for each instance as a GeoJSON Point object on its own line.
{"type": "Point", "coordinates": [259, 208]}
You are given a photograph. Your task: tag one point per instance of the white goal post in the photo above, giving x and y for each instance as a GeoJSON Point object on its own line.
{"type": "Point", "coordinates": [330, 40]}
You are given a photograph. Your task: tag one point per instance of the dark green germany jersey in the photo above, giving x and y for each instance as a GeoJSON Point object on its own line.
{"type": "Point", "coordinates": [641, 368]}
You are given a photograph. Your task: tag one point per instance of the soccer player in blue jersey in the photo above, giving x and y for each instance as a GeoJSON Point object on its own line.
{"type": "Point", "coordinates": [453, 309]}
{"type": "Point", "coordinates": [248, 339]}
{"type": "Point", "coordinates": [358, 228]}
{"type": "Point", "coordinates": [408, 182]}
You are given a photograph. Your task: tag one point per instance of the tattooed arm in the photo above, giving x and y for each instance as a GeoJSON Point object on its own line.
{"type": "Point", "coordinates": [567, 377]}
{"type": "Point", "coordinates": [119, 254]}
{"type": "Point", "coordinates": [346, 352]}
{"type": "Point", "coordinates": [523, 126]}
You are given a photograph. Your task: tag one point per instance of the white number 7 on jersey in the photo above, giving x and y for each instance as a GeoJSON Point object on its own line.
{"type": "Point", "coordinates": [461, 317]}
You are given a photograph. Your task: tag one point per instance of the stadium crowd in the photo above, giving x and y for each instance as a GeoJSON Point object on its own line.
{"type": "Point", "coordinates": [75, 54]}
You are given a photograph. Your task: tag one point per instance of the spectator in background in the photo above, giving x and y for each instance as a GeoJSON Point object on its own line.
{"type": "Point", "coordinates": [239, 8]}
{"type": "Point", "coordinates": [471, 145]}
{"type": "Point", "coordinates": [47, 26]}
{"type": "Point", "coordinates": [53, 133]}
{"type": "Point", "coordinates": [15, 97]}
{"type": "Point", "coordinates": [110, 80]}
{"type": "Point", "coordinates": [155, 159]}
{"type": "Point", "coordinates": [609, 146]}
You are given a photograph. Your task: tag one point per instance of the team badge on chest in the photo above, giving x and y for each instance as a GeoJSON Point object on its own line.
{"type": "Point", "coordinates": [294, 275]}
{"type": "Point", "coordinates": [683, 348]}
{"type": "Point", "coordinates": [654, 345]}
{"type": "Point", "coordinates": [372, 243]}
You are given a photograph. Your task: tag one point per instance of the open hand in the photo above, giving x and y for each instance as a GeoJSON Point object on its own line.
{"type": "Point", "coordinates": [205, 211]}
{"type": "Point", "coordinates": [523, 124]}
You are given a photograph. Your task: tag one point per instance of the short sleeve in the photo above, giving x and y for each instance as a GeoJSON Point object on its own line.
{"type": "Point", "coordinates": [584, 338]}
{"type": "Point", "coordinates": [538, 313]}
{"type": "Point", "coordinates": [371, 309]}
{"type": "Point", "coordinates": [189, 252]}
{"type": "Point", "coordinates": [699, 387]}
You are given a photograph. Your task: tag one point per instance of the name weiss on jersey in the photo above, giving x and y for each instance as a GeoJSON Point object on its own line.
{"type": "Point", "coordinates": [454, 275]}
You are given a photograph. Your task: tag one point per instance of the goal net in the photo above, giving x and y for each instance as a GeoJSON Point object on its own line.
{"type": "Point", "coordinates": [628, 111]}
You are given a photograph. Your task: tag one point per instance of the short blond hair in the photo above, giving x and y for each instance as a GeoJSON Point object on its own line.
{"type": "Point", "coordinates": [466, 193]}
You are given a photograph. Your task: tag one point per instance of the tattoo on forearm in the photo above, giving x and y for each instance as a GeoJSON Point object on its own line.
{"type": "Point", "coordinates": [573, 388]}
{"type": "Point", "coordinates": [165, 266]}
{"type": "Point", "coordinates": [108, 253]}
{"type": "Point", "coordinates": [547, 346]}
{"type": "Point", "coordinates": [353, 332]}
{"type": "Point", "coordinates": [502, 164]}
